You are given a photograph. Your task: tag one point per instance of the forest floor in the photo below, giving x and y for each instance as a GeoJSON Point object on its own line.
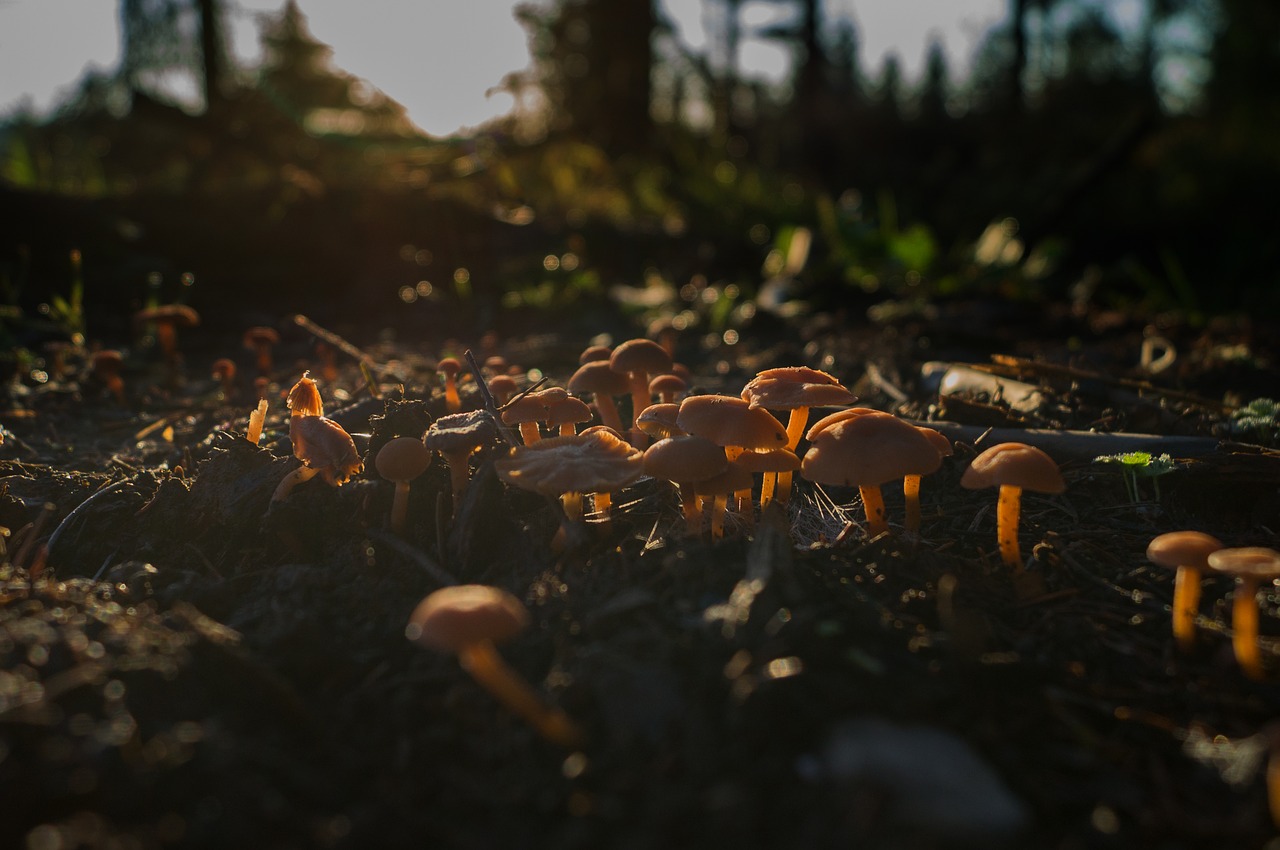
{"type": "Point", "coordinates": [184, 662]}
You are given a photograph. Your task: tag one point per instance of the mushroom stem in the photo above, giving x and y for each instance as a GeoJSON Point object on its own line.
{"type": "Point", "coordinates": [911, 490]}
{"type": "Point", "coordinates": [572, 502]}
{"type": "Point", "coordinates": [609, 412]}
{"type": "Point", "coordinates": [692, 514]}
{"type": "Point", "coordinates": [745, 508]}
{"type": "Point", "coordinates": [1186, 603]}
{"type": "Point", "coordinates": [529, 433]}
{"type": "Point", "coordinates": [601, 502]}
{"type": "Point", "coordinates": [1008, 509]}
{"type": "Point", "coordinates": [640, 399]}
{"type": "Point", "coordinates": [719, 505]}
{"type": "Point", "coordinates": [459, 471]}
{"type": "Point", "coordinates": [795, 426]}
{"type": "Point", "coordinates": [452, 401]}
{"type": "Point", "coordinates": [873, 505]}
{"type": "Point", "coordinates": [399, 508]}
{"type": "Point", "coordinates": [766, 489]}
{"type": "Point", "coordinates": [1244, 627]}
{"type": "Point", "coordinates": [293, 479]}
{"type": "Point", "coordinates": [482, 661]}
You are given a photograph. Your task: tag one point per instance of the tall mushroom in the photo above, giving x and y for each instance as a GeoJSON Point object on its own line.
{"type": "Point", "coordinates": [1251, 566]}
{"type": "Point", "coordinates": [400, 461]}
{"type": "Point", "coordinates": [469, 620]}
{"type": "Point", "coordinates": [638, 359]}
{"type": "Point", "coordinates": [1186, 552]}
{"type": "Point", "coordinates": [595, 377]}
{"type": "Point", "coordinates": [456, 436]}
{"type": "Point", "coordinates": [1013, 467]}
{"type": "Point", "coordinates": [451, 366]}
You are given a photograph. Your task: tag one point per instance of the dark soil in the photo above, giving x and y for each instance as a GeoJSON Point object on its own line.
{"type": "Point", "coordinates": [187, 663]}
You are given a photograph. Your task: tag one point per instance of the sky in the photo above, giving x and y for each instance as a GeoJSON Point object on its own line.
{"type": "Point", "coordinates": [440, 58]}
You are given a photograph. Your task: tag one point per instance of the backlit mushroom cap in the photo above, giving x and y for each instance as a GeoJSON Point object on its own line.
{"type": "Point", "coordinates": [178, 315]}
{"type": "Point", "coordinates": [789, 387]}
{"type": "Point", "coordinates": [260, 335]}
{"type": "Point", "coordinates": [451, 366]}
{"type": "Point", "coordinates": [595, 353]}
{"type": "Point", "coordinates": [1250, 562]}
{"type": "Point", "coordinates": [640, 355]}
{"type": "Point", "coordinates": [528, 408]}
{"type": "Point", "coordinates": [774, 460]}
{"type": "Point", "coordinates": [731, 421]}
{"type": "Point", "coordinates": [733, 479]}
{"type": "Point", "coordinates": [1014, 464]}
{"type": "Point", "coordinates": [1182, 549]}
{"type": "Point", "coordinates": [223, 369]}
{"type": "Point", "coordinates": [595, 376]}
{"type": "Point", "coordinates": [304, 398]}
{"type": "Point", "coordinates": [684, 458]}
{"type": "Point", "coordinates": [502, 387]}
{"type": "Point", "coordinates": [107, 361]}
{"type": "Point", "coordinates": [402, 459]}
{"type": "Point", "coordinates": [659, 420]}
{"type": "Point", "coordinates": [869, 450]}
{"type": "Point", "coordinates": [584, 463]}
{"type": "Point", "coordinates": [667, 385]}
{"type": "Point", "coordinates": [325, 446]}
{"type": "Point", "coordinates": [455, 617]}
{"type": "Point", "coordinates": [839, 416]}
{"type": "Point", "coordinates": [566, 411]}
{"type": "Point", "coordinates": [939, 440]}
{"type": "Point", "coordinates": [460, 430]}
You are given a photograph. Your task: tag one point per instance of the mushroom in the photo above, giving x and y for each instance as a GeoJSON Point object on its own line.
{"type": "Point", "coordinates": [667, 387]}
{"type": "Point", "coordinates": [771, 463]}
{"type": "Point", "coordinates": [468, 620]}
{"type": "Point", "coordinates": [1013, 467]}
{"type": "Point", "coordinates": [638, 359]}
{"type": "Point", "coordinates": [684, 460]}
{"type": "Point", "coordinates": [595, 377]}
{"type": "Point", "coordinates": [563, 414]}
{"type": "Point", "coordinates": [1251, 566]}
{"type": "Point", "coordinates": [593, 353]}
{"type": "Point", "coordinates": [223, 371]}
{"type": "Point", "coordinates": [456, 436]}
{"type": "Point", "coordinates": [731, 422]}
{"type": "Point", "coordinates": [867, 451]}
{"type": "Point", "coordinates": [567, 467]}
{"type": "Point", "coordinates": [106, 368]}
{"type": "Point", "coordinates": [526, 412]}
{"type": "Point", "coordinates": [734, 479]}
{"type": "Point", "coordinates": [401, 460]}
{"type": "Point", "coordinates": [659, 420]}
{"type": "Point", "coordinates": [451, 366]}
{"type": "Point", "coordinates": [167, 318]}
{"type": "Point", "coordinates": [911, 481]}
{"type": "Point", "coordinates": [324, 447]}
{"type": "Point", "coordinates": [260, 339]}
{"type": "Point", "coordinates": [502, 388]}
{"type": "Point", "coordinates": [1187, 552]}
{"type": "Point", "coordinates": [795, 389]}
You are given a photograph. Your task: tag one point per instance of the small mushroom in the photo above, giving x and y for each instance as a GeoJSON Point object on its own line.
{"type": "Point", "coordinates": [911, 481]}
{"type": "Point", "coordinates": [223, 371]}
{"type": "Point", "coordinates": [595, 377]}
{"type": "Point", "coordinates": [567, 412]}
{"type": "Point", "coordinates": [456, 436]}
{"type": "Point", "coordinates": [502, 388]}
{"type": "Point", "coordinates": [106, 366]}
{"type": "Point", "coordinates": [469, 620]}
{"type": "Point", "coordinates": [324, 447]}
{"type": "Point", "coordinates": [261, 339]}
{"type": "Point", "coordinates": [731, 422]}
{"type": "Point", "coordinates": [451, 366]}
{"type": "Point", "coordinates": [685, 460]}
{"type": "Point", "coordinates": [1013, 467]}
{"type": "Point", "coordinates": [525, 413]}
{"type": "Point", "coordinates": [733, 480]}
{"type": "Point", "coordinates": [1251, 566]}
{"type": "Point", "coordinates": [667, 387]}
{"type": "Point", "coordinates": [1187, 552]}
{"type": "Point", "coordinates": [167, 318]}
{"type": "Point", "coordinates": [659, 421]}
{"type": "Point", "coordinates": [400, 461]}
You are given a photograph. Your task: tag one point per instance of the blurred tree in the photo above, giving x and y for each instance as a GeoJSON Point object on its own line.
{"type": "Point", "coordinates": [935, 88]}
{"type": "Point", "coordinates": [165, 41]}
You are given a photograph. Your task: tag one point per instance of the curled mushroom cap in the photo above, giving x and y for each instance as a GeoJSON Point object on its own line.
{"type": "Point", "coordinates": [731, 421]}
{"type": "Point", "coordinates": [659, 420]}
{"type": "Point", "coordinates": [455, 431]}
{"type": "Point", "coordinates": [325, 446]}
{"type": "Point", "coordinates": [584, 463]}
{"type": "Point", "coordinates": [790, 387]}
{"type": "Point", "coordinates": [1016, 465]}
{"type": "Point", "coordinates": [304, 398]}
{"type": "Point", "coordinates": [454, 617]}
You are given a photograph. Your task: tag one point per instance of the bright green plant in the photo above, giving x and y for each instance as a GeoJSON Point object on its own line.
{"type": "Point", "coordinates": [1259, 420]}
{"type": "Point", "coordinates": [1135, 465]}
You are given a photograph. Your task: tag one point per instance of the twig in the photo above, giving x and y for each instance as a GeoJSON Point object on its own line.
{"type": "Point", "coordinates": [1079, 445]}
{"type": "Point", "coordinates": [333, 339]}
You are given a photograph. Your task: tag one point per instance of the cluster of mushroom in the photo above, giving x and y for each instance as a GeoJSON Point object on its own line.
{"type": "Point", "coordinates": [1193, 553]}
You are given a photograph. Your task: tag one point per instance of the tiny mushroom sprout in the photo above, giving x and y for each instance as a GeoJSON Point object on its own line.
{"type": "Point", "coordinates": [595, 377]}
{"type": "Point", "coordinates": [106, 365]}
{"type": "Point", "coordinates": [502, 388]}
{"type": "Point", "coordinates": [1251, 566]}
{"type": "Point", "coordinates": [223, 371]}
{"type": "Point", "coordinates": [1187, 552]}
{"type": "Point", "coordinates": [867, 451]}
{"type": "Point", "coordinates": [451, 366]}
{"type": "Point", "coordinates": [638, 359]}
{"type": "Point", "coordinates": [456, 436]}
{"type": "Point", "coordinates": [400, 461]}
{"type": "Point", "coordinates": [1013, 467]}
{"type": "Point", "coordinates": [685, 460]}
{"type": "Point", "coordinates": [469, 620]}
{"type": "Point", "coordinates": [567, 467]}
{"type": "Point", "coordinates": [324, 447]}
{"type": "Point", "coordinates": [260, 339]}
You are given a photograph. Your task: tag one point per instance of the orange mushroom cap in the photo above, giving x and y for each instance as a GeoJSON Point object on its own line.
{"type": "Point", "coordinates": [1017, 465]}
